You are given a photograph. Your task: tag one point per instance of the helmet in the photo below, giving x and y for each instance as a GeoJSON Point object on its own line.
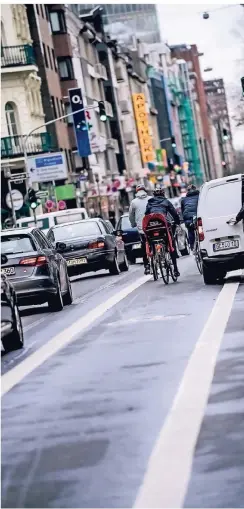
{"type": "Point", "coordinates": [191, 187]}
{"type": "Point", "coordinates": [159, 190]}
{"type": "Point", "coordinates": [140, 187]}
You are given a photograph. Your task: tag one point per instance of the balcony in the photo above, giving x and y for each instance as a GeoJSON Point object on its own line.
{"type": "Point", "coordinates": [17, 56]}
{"type": "Point", "coordinates": [13, 146]}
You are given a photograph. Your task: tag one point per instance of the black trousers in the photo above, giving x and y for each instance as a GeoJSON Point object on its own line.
{"type": "Point", "coordinates": [144, 251]}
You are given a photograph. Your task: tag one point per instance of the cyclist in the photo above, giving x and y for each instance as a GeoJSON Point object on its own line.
{"type": "Point", "coordinates": [136, 214]}
{"type": "Point", "coordinates": [189, 211]}
{"type": "Point", "coordinates": [160, 205]}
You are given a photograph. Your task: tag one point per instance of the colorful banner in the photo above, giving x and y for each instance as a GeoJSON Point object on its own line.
{"type": "Point", "coordinates": [145, 139]}
{"type": "Point", "coordinates": [80, 125]}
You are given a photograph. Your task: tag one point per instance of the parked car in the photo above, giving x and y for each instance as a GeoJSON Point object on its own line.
{"type": "Point", "coordinates": [130, 237]}
{"type": "Point", "coordinates": [221, 241]}
{"type": "Point", "coordinates": [11, 326]}
{"type": "Point", "coordinates": [89, 245]}
{"type": "Point", "coordinates": [37, 271]}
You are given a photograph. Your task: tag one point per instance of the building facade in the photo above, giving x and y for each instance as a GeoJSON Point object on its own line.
{"type": "Point", "coordinates": [128, 22]}
{"type": "Point", "coordinates": [216, 97]}
{"type": "Point", "coordinates": [22, 108]}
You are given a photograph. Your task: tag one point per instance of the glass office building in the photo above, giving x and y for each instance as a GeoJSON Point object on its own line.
{"type": "Point", "coordinates": [125, 22]}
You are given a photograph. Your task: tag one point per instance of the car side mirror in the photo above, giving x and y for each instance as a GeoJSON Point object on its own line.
{"type": "Point", "coordinates": [60, 246]}
{"type": "Point", "coordinates": [4, 259]}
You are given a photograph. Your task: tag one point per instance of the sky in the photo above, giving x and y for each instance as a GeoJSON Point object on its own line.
{"type": "Point", "coordinates": [220, 38]}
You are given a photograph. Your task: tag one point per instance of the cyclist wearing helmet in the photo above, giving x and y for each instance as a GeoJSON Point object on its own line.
{"type": "Point", "coordinates": [136, 215]}
{"type": "Point", "coordinates": [189, 210]}
{"type": "Point", "coordinates": [161, 205]}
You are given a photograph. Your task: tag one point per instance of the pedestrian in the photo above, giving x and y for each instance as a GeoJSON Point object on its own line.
{"type": "Point", "coordinates": [111, 216]}
{"type": "Point", "coordinates": [136, 215]}
{"type": "Point", "coordinates": [189, 210]}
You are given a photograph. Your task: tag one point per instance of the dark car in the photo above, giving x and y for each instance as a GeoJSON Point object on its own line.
{"type": "Point", "coordinates": [130, 237]}
{"type": "Point", "coordinates": [11, 326]}
{"type": "Point", "coordinates": [38, 273]}
{"type": "Point", "coordinates": [89, 245]}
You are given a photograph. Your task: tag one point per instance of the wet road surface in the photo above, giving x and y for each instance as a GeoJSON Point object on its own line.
{"type": "Point", "coordinates": [79, 430]}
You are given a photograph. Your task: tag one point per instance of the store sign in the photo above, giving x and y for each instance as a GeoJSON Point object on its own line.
{"type": "Point", "coordinates": [145, 139]}
{"type": "Point", "coordinates": [47, 168]}
{"type": "Point", "coordinates": [80, 123]}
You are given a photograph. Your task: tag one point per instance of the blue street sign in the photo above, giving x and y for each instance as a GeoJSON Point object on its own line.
{"type": "Point", "coordinates": [82, 178]}
{"type": "Point", "coordinates": [82, 136]}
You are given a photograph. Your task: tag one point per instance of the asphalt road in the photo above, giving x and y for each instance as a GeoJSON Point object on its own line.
{"type": "Point", "coordinates": [132, 396]}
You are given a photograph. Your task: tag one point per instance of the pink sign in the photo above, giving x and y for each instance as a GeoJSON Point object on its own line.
{"type": "Point", "coordinates": [49, 204]}
{"type": "Point", "coordinates": [61, 205]}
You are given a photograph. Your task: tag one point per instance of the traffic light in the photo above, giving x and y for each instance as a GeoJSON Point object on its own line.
{"type": "Point", "coordinates": [173, 141]}
{"type": "Point", "coordinates": [32, 199]}
{"type": "Point", "coordinates": [242, 84]}
{"type": "Point", "coordinates": [225, 134]}
{"type": "Point", "coordinates": [102, 111]}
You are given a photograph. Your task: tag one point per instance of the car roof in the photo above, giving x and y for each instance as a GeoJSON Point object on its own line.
{"type": "Point", "coordinates": [92, 220]}
{"type": "Point", "coordinates": [17, 231]}
{"type": "Point", "coordinates": [229, 178]}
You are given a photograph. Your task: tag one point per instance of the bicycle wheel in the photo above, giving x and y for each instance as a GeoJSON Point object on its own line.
{"type": "Point", "coordinates": [154, 267]}
{"type": "Point", "coordinates": [198, 259]}
{"type": "Point", "coordinates": [164, 267]}
{"type": "Point", "coordinates": [171, 268]}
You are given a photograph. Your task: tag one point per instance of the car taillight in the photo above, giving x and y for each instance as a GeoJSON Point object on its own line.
{"type": "Point", "coordinates": [156, 234]}
{"type": "Point", "coordinates": [96, 245]}
{"type": "Point", "coordinates": [200, 229]}
{"type": "Point", "coordinates": [35, 261]}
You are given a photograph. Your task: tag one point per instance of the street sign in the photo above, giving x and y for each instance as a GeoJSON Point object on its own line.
{"type": "Point", "coordinates": [47, 168]}
{"type": "Point", "coordinates": [82, 178]}
{"type": "Point", "coordinates": [49, 204]}
{"type": "Point", "coordinates": [80, 124]}
{"type": "Point", "coordinates": [18, 199]}
{"type": "Point", "coordinates": [61, 205]}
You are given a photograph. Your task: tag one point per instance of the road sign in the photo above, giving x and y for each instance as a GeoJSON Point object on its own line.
{"type": "Point", "coordinates": [61, 205]}
{"type": "Point", "coordinates": [47, 168]}
{"type": "Point", "coordinates": [17, 198]}
{"type": "Point", "coordinates": [82, 135]}
{"type": "Point", "coordinates": [49, 204]}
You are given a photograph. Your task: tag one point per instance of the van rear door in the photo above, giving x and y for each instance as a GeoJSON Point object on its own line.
{"type": "Point", "coordinates": [223, 202]}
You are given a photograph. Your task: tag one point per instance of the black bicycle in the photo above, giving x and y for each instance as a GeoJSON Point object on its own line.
{"type": "Point", "coordinates": [160, 258]}
{"type": "Point", "coordinates": [196, 249]}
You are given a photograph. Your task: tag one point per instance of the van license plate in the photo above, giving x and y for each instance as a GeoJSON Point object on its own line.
{"type": "Point", "coordinates": [226, 244]}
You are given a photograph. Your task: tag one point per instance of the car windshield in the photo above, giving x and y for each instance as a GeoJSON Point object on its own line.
{"type": "Point", "coordinates": [70, 231]}
{"type": "Point", "coordinates": [14, 244]}
{"type": "Point", "coordinates": [125, 223]}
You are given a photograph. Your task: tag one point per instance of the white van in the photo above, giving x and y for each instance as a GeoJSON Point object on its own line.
{"type": "Point", "coordinates": [221, 242]}
{"type": "Point", "coordinates": [46, 221]}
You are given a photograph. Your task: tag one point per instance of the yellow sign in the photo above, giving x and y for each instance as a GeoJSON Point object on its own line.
{"type": "Point", "coordinates": [145, 139]}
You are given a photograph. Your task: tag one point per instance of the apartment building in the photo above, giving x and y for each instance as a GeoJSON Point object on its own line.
{"type": "Point", "coordinates": [21, 105]}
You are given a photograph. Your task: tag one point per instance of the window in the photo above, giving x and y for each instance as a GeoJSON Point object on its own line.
{"type": "Point", "coordinates": [47, 12]}
{"type": "Point", "coordinates": [54, 106]}
{"type": "Point", "coordinates": [14, 244]}
{"type": "Point", "coordinates": [59, 107]}
{"type": "Point", "coordinates": [37, 9]}
{"type": "Point", "coordinates": [42, 10]}
{"type": "Point", "coordinates": [72, 231]}
{"type": "Point", "coordinates": [54, 60]}
{"type": "Point", "coordinates": [50, 57]}
{"type": "Point", "coordinates": [58, 24]}
{"type": "Point", "coordinates": [45, 55]}
{"type": "Point", "coordinates": [12, 118]}
{"type": "Point", "coordinates": [65, 68]}
{"type": "Point", "coordinates": [39, 239]}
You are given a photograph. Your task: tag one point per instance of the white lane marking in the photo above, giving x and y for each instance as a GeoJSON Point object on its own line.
{"type": "Point", "coordinates": [15, 375]}
{"type": "Point", "coordinates": [169, 469]}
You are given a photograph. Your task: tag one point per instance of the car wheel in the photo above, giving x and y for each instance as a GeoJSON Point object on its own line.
{"type": "Point", "coordinates": [124, 267]}
{"type": "Point", "coordinates": [16, 339]}
{"type": "Point", "coordinates": [209, 277]}
{"type": "Point", "coordinates": [55, 302]}
{"type": "Point", "coordinates": [68, 297]}
{"type": "Point", "coordinates": [132, 260]}
{"type": "Point", "coordinates": [114, 268]}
